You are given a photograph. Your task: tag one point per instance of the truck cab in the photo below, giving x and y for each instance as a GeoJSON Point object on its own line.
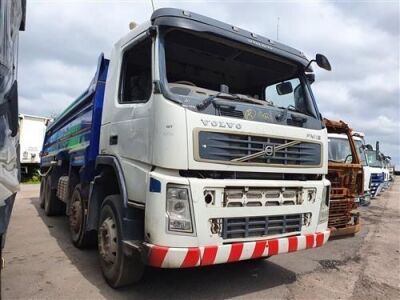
{"type": "Point", "coordinates": [391, 171]}
{"type": "Point", "coordinates": [386, 170]}
{"type": "Point", "coordinates": [199, 143]}
{"type": "Point", "coordinates": [345, 173]}
{"type": "Point", "coordinates": [377, 172]}
{"type": "Point", "coordinates": [365, 198]}
{"type": "Point", "coordinates": [390, 167]}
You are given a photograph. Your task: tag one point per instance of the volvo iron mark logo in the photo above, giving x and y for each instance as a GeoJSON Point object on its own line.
{"type": "Point", "coordinates": [221, 124]}
{"type": "Point", "coordinates": [269, 150]}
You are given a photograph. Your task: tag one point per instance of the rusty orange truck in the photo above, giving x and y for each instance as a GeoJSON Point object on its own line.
{"type": "Point", "coordinates": [346, 175]}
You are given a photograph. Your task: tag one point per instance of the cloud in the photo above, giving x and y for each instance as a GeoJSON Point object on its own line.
{"type": "Point", "coordinates": [63, 39]}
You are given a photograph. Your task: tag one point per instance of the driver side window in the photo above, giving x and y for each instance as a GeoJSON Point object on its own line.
{"type": "Point", "coordinates": [136, 82]}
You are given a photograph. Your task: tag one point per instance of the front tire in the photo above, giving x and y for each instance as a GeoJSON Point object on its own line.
{"type": "Point", "coordinates": [42, 192]}
{"type": "Point", "coordinates": [118, 268]}
{"type": "Point", "coordinates": [77, 221]}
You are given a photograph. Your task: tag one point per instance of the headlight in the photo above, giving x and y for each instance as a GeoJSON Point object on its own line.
{"type": "Point", "coordinates": [324, 208]}
{"type": "Point", "coordinates": [311, 195]}
{"type": "Point", "coordinates": [178, 209]}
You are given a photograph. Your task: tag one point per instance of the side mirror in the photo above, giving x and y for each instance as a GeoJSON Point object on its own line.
{"type": "Point", "coordinates": [377, 151]}
{"type": "Point", "coordinates": [284, 88]}
{"type": "Point", "coordinates": [368, 147]}
{"type": "Point", "coordinates": [310, 77]}
{"type": "Point", "coordinates": [323, 62]}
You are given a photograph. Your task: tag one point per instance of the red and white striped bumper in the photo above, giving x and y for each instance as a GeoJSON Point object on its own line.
{"type": "Point", "coordinates": [169, 257]}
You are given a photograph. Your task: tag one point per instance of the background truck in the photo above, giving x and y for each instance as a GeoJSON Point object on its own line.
{"type": "Point", "coordinates": [391, 170]}
{"type": "Point", "coordinates": [386, 170]}
{"type": "Point", "coordinates": [12, 19]}
{"type": "Point", "coordinates": [365, 198]}
{"type": "Point", "coordinates": [377, 170]}
{"type": "Point", "coordinates": [31, 136]}
{"type": "Point", "coordinates": [345, 173]}
{"type": "Point", "coordinates": [197, 143]}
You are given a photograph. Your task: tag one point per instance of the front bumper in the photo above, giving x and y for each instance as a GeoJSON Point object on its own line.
{"type": "Point", "coordinates": [205, 213]}
{"type": "Point", "coordinates": [386, 185]}
{"type": "Point", "coordinates": [350, 228]}
{"type": "Point", "coordinates": [376, 188]}
{"type": "Point", "coordinates": [365, 200]}
{"type": "Point", "coordinates": [171, 257]}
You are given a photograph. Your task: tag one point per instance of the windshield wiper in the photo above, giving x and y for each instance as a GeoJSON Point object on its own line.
{"type": "Point", "coordinates": [293, 108]}
{"type": "Point", "coordinates": [336, 160]}
{"type": "Point", "coordinates": [283, 114]}
{"type": "Point", "coordinates": [207, 101]}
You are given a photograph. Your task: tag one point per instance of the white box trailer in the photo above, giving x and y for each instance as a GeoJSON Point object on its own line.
{"type": "Point", "coordinates": [32, 131]}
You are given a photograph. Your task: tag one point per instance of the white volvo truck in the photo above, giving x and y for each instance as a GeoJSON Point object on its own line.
{"type": "Point", "coordinates": [359, 140]}
{"type": "Point", "coordinates": [376, 167]}
{"type": "Point", "coordinates": [197, 143]}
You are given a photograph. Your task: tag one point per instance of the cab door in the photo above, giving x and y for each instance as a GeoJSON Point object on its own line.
{"type": "Point", "coordinates": [131, 125]}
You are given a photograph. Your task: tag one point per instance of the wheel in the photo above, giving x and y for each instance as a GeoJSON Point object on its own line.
{"type": "Point", "coordinates": [77, 221]}
{"type": "Point", "coordinates": [118, 268]}
{"type": "Point", "coordinates": [42, 192]}
{"type": "Point", "coordinates": [52, 205]}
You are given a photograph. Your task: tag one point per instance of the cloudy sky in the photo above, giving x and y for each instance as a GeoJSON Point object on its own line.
{"type": "Point", "coordinates": [63, 38]}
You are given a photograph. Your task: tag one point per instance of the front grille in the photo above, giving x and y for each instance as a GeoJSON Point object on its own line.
{"type": "Point", "coordinates": [340, 212]}
{"type": "Point", "coordinates": [376, 177]}
{"type": "Point", "coordinates": [232, 147]}
{"type": "Point", "coordinates": [376, 180]}
{"type": "Point", "coordinates": [234, 228]}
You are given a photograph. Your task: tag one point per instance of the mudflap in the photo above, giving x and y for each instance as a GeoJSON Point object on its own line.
{"type": "Point", "coordinates": [131, 248]}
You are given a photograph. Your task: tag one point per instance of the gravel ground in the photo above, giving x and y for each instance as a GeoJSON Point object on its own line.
{"type": "Point", "coordinates": [41, 263]}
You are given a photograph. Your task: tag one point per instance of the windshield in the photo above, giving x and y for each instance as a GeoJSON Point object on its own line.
{"type": "Point", "coordinates": [339, 150]}
{"type": "Point", "coordinates": [372, 161]}
{"type": "Point", "coordinates": [361, 152]}
{"type": "Point", "coordinates": [200, 65]}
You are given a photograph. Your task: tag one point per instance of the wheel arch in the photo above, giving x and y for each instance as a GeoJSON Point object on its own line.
{"type": "Point", "coordinates": [109, 180]}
